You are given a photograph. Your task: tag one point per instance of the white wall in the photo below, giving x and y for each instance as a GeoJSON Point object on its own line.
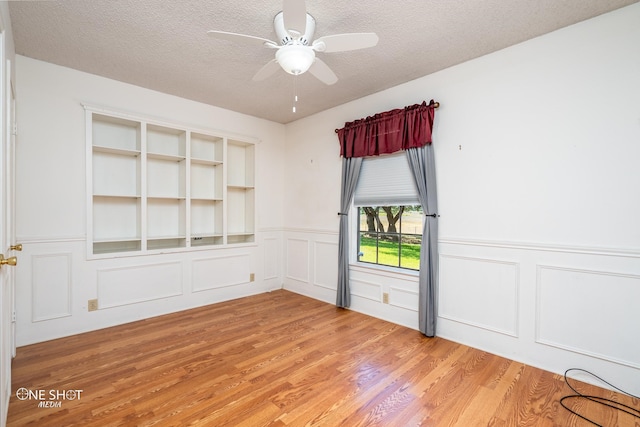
{"type": "Point", "coordinates": [54, 278]}
{"type": "Point", "coordinates": [537, 153]}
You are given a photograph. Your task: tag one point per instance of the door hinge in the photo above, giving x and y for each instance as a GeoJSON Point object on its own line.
{"type": "Point", "coordinates": [13, 317]}
{"type": "Point", "coordinates": [14, 128]}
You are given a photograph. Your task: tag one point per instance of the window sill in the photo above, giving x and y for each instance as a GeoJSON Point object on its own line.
{"type": "Point", "coordinates": [381, 270]}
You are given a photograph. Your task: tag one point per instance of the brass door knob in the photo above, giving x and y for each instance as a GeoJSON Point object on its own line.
{"type": "Point", "coordinates": [17, 247]}
{"type": "Point", "coordinates": [8, 261]}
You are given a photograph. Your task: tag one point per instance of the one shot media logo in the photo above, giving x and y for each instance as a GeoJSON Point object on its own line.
{"type": "Point", "coordinates": [48, 398]}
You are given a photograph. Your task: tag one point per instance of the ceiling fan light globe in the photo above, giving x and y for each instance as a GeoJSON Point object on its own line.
{"type": "Point", "coordinates": [295, 59]}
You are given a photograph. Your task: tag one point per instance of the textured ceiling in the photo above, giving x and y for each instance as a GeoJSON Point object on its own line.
{"type": "Point", "coordinates": [163, 44]}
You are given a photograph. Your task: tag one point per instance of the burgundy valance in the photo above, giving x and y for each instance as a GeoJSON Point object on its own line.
{"type": "Point", "coordinates": [388, 132]}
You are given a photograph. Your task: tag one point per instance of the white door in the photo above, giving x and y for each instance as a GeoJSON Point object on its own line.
{"type": "Point", "coordinates": [7, 232]}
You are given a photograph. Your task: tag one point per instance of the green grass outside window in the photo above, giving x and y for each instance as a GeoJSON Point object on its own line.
{"type": "Point", "coordinates": [388, 253]}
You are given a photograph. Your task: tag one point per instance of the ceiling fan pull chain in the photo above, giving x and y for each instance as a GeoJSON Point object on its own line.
{"type": "Point", "coordinates": [295, 92]}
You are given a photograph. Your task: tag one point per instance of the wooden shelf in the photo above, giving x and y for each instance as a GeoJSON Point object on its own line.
{"type": "Point", "coordinates": [118, 196]}
{"type": "Point", "coordinates": [168, 157]}
{"type": "Point", "coordinates": [240, 187]}
{"type": "Point", "coordinates": [205, 162]}
{"type": "Point", "coordinates": [118, 151]}
{"type": "Point", "coordinates": [119, 239]}
{"type": "Point", "coordinates": [116, 247]}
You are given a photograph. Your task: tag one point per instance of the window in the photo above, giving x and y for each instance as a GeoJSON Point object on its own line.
{"type": "Point", "coordinates": [390, 235]}
{"type": "Point", "coordinates": [390, 216]}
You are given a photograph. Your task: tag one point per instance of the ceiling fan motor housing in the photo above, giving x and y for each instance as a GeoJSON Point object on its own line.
{"type": "Point", "coordinates": [287, 37]}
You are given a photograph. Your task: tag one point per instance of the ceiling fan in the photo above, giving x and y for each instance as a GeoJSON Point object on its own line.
{"type": "Point", "coordinates": [295, 52]}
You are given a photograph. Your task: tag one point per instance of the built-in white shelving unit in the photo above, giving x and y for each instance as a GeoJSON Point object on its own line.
{"type": "Point", "coordinates": [240, 191]}
{"type": "Point", "coordinates": [207, 200]}
{"type": "Point", "coordinates": [156, 187]}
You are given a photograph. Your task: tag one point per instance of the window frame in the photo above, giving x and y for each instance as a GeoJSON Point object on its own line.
{"type": "Point", "coordinates": [354, 262]}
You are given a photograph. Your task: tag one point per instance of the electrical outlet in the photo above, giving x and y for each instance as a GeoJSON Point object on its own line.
{"type": "Point", "coordinates": [92, 305]}
{"type": "Point", "coordinates": [252, 277]}
{"type": "Point", "coordinates": [385, 298]}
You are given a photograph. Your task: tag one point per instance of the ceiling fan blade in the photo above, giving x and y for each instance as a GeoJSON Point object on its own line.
{"type": "Point", "coordinates": [294, 13]}
{"type": "Point", "coordinates": [345, 42]}
{"type": "Point", "coordinates": [242, 38]}
{"type": "Point", "coordinates": [267, 70]}
{"type": "Point", "coordinates": [322, 72]}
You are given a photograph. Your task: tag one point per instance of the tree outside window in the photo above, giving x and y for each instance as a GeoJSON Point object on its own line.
{"type": "Point", "coordinates": [390, 235]}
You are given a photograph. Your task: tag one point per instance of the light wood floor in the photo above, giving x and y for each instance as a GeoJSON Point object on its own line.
{"type": "Point", "coordinates": [281, 359]}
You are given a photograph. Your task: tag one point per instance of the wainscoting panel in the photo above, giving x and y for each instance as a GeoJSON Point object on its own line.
{"type": "Point", "coordinates": [220, 271]}
{"type": "Point", "coordinates": [588, 312]}
{"type": "Point", "coordinates": [271, 258]}
{"type": "Point", "coordinates": [369, 290]}
{"type": "Point", "coordinates": [480, 292]}
{"type": "Point", "coordinates": [51, 286]}
{"type": "Point", "coordinates": [403, 298]}
{"type": "Point", "coordinates": [138, 283]}
{"type": "Point", "coordinates": [298, 259]}
{"type": "Point", "coordinates": [326, 264]}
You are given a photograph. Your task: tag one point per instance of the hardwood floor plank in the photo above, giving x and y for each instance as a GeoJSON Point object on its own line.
{"type": "Point", "coordinates": [489, 395]}
{"type": "Point", "coordinates": [281, 360]}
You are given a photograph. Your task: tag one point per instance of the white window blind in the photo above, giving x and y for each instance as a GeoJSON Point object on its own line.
{"type": "Point", "coordinates": [386, 180]}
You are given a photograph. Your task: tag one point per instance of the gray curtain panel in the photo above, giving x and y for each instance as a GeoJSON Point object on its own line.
{"type": "Point", "coordinates": [422, 163]}
{"type": "Point", "coordinates": [350, 171]}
